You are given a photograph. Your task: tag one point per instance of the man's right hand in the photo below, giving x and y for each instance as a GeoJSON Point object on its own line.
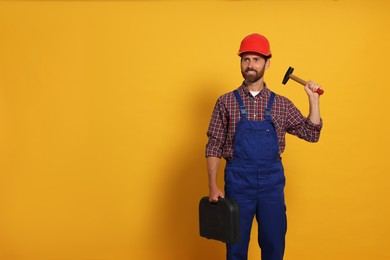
{"type": "Point", "coordinates": [214, 194]}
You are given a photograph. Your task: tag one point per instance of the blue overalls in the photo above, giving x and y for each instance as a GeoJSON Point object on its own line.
{"type": "Point", "coordinates": [254, 178]}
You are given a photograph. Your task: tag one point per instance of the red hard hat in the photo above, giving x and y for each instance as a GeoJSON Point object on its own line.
{"type": "Point", "coordinates": [255, 43]}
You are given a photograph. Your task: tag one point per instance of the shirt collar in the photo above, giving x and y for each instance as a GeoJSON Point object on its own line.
{"type": "Point", "coordinates": [263, 92]}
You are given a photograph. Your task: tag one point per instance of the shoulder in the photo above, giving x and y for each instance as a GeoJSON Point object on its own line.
{"type": "Point", "coordinates": [283, 105]}
{"type": "Point", "coordinates": [279, 99]}
{"type": "Point", "coordinates": [227, 97]}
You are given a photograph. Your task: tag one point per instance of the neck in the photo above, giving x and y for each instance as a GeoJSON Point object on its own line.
{"type": "Point", "coordinates": [255, 86]}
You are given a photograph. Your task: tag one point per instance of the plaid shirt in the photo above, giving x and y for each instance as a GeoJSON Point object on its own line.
{"type": "Point", "coordinates": [285, 116]}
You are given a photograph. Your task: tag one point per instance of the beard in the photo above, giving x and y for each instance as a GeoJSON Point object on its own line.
{"type": "Point", "coordinates": [252, 78]}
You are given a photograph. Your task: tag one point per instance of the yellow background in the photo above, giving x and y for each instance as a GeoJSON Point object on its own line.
{"type": "Point", "coordinates": [104, 108]}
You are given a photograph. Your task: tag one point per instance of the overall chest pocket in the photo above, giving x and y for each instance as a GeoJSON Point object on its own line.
{"type": "Point", "coordinates": [256, 144]}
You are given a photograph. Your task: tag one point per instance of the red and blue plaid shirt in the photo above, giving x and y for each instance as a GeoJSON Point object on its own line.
{"type": "Point", "coordinates": [285, 116]}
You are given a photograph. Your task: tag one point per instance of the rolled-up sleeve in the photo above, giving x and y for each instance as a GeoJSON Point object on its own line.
{"type": "Point", "coordinates": [301, 126]}
{"type": "Point", "coordinates": [217, 131]}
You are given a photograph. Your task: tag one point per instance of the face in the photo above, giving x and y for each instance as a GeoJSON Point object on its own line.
{"type": "Point", "coordinates": [253, 67]}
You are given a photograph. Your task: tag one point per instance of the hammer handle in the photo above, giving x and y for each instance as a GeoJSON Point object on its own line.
{"type": "Point", "coordinates": [301, 81]}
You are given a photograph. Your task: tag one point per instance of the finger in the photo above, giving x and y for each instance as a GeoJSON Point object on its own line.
{"type": "Point", "coordinates": [216, 198]}
{"type": "Point", "coordinates": [313, 86]}
{"type": "Point", "coordinates": [213, 199]}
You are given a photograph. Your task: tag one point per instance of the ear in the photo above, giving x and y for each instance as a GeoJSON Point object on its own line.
{"type": "Point", "coordinates": [267, 64]}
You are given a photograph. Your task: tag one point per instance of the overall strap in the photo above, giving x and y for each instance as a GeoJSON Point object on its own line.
{"type": "Point", "coordinates": [241, 104]}
{"type": "Point", "coordinates": [268, 109]}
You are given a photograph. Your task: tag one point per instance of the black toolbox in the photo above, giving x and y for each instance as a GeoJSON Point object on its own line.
{"type": "Point", "coordinates": [219, 220]}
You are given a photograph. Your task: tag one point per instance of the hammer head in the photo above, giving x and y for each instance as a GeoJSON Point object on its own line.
{"type": "Point", "coordinates": [287, 75]}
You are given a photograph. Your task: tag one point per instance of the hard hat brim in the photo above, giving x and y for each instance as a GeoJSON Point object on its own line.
{"type": "Point", "coordinates": [267, 55]}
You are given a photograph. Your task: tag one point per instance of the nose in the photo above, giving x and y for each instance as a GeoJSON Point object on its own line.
{"type": "Point", "coordinates": [250, 65]}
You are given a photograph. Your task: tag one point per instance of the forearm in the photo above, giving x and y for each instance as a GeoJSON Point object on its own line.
{"type": "Point", "coordinates": [314, 114]}
{"type": "Point", "coordinates": [212, 169]}
{"type": "Point", "coordinates": [314, 101]}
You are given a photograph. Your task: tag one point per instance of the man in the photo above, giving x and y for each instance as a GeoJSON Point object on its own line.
{"type": "Point", "coordinates": [248, 128]}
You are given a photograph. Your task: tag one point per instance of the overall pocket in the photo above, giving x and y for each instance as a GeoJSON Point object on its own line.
{"type": "Point", "coordinates": [259, 144]}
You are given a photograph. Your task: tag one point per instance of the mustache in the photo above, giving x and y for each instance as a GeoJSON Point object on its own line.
{"type": "Point", "coordinates": [249, 69]}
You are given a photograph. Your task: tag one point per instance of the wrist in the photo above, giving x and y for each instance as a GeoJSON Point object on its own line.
{"type": "Point", "coordinates": [314, 99]}
{"type": "Point", "coordinates": [314, 105]}
{"type": "Point", "coordinates": [213, 186]}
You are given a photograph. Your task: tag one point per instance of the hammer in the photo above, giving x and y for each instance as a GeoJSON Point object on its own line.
{"type": "Point", "coordinates": [289, 75]}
